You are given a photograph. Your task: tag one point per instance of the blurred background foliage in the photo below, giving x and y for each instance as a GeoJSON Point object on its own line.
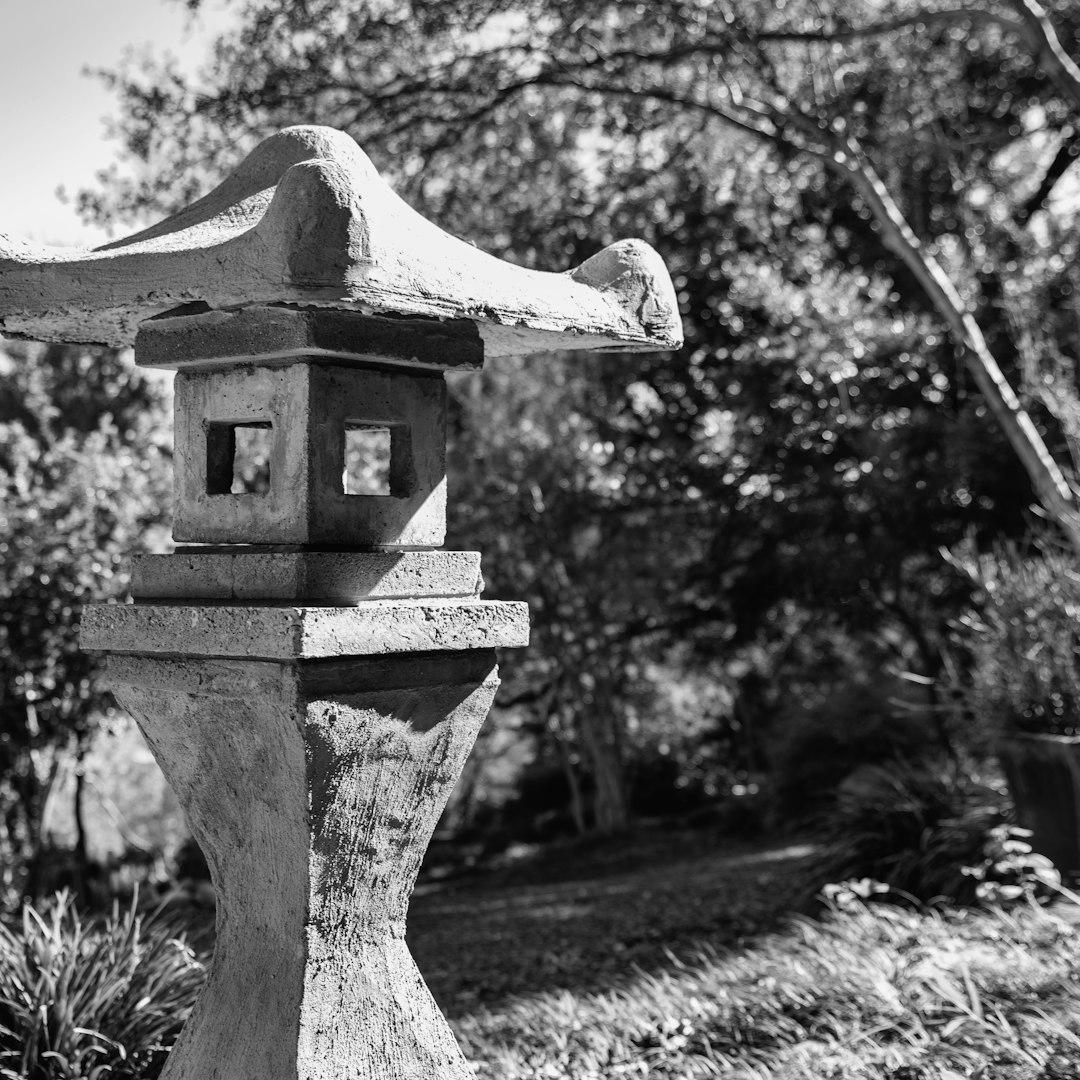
{"type": "Point", "coordinates": [85, 441]}
{"type": "Point", "coordinates": [733, 553]}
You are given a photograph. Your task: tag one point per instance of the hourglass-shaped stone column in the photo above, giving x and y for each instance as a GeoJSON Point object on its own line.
{"type": "Point", "coordinates": [313, 786]}
{"type": "Point", "coordinates": [308, 668]}
{"type": "Point", "coordinates": [312, 704]}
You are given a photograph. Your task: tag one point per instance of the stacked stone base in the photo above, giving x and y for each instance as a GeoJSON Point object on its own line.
{"type": "Point", "coordinates": [312, 776]}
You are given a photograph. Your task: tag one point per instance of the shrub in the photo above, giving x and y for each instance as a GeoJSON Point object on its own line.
{"type": "Point", "coordinates": [835, 732]}
{"type": "Point", "coordinates": [661, 787]}
{"type": "Point", "coordinates": [1012, 872]}
{"type": "Point", "coordinates": [91, 999]}
{"type": "Point", "coordinates": [1023, 638]}
{"type": "Point", "coordinates": [913, 827]}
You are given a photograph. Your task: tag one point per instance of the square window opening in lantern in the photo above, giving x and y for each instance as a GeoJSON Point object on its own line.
{"type": "Point", "coordinates": [238, 458]}
{"type": "Point", "coordinates": [368, 452]}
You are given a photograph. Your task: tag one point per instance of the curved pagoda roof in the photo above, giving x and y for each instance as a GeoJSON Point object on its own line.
{"type": "Point", "coordinates": [306, 220]}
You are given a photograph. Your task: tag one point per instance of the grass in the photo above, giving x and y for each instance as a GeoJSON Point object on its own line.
{"type": "Point", "coordinates": [84, 999]}
{"type": "Point", "coordinates": [673, 962]}
{"type": "Point", "coordinates": [673, 959]}
{"type": "Point", "coordinates": [868, 992]}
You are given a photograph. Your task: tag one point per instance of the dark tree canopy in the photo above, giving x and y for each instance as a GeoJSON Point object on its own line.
{"type": "Point", "coordinates": [854, 215]}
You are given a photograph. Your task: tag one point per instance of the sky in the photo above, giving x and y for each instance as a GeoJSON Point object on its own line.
{"type": "Point", "coordinates": [51, 114]}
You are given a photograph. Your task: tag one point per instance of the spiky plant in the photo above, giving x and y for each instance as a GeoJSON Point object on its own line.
{"type": "Point", "coordinates": [88, 999]}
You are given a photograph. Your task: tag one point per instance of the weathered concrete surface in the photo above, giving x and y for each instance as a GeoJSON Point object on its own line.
{"type": "Point", "coordinates": [307, 220]}
{"type": "Point", "coordinates": [371, 628]}
{"type": "Point", "coordinates": [328, 577]}
{"type": "Point", "coordinates": [308, 406]}
{"type": "Point", "coordinates": [313, 788]}
{"type": "Point", "coordinates": [273, 332]}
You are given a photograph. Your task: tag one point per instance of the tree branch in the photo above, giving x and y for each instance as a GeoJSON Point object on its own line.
{"type": "Point", "coordinates": [1067, 153]}
{"type": "Point", "coordinates": [1046, 477]}
{"type": "Point", "coordinates": [1033, 25]}
{"type": "Point", "coordinates": [848, 161]}
{"type": "Point", "coordinates": [1041, 36]}
{"type": "Point", "coordinates": [948, 16]}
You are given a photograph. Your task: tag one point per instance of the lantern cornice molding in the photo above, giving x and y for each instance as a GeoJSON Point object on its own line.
{"type": "Point", "coordinates": [307, 220]}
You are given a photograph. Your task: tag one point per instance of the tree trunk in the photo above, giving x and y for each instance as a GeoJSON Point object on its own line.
{"type": "Point", "coordinates": [82, 859]}
{"type": "Point", "coordinates": [1049, 482]}
{"type": "Point", "coordinates": [38, 783]}
{"type": "Point", "coordinates": [573, 782]}
{"type": "Point", "coordinates": [600, 738]}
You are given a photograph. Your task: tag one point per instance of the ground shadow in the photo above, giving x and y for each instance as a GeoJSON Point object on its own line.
{"type": "Point", "coordinates": [595, 920]}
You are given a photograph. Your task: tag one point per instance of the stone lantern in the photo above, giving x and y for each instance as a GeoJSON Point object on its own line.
{"type": "Point", "coordinates": [309, 668]}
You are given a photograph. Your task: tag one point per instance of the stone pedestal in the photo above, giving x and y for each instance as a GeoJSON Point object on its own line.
{"type": "Point", "coordinates": [312, 777]}
{"type": "Point", "coordinates": [310, 675]}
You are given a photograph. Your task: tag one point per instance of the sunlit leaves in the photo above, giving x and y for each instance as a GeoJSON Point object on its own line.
{"type": "Point", "coordinates": [83, 484]}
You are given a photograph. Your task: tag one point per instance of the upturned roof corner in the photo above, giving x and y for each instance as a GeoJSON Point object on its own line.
{"type": "Point", "coordinates": [306, 220]}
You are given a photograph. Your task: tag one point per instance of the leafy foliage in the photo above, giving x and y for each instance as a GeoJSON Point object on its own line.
{"type": "Point", "coordinates": [869, 993]}
{"type": "Point", "coordinates": [1023, 637]}
{"type": "Point", "coordinates": [83, 482]}
{"type": "Point", "coordinates": [914, 828]}
{"type": "Point", "coordinates": [1011, 871]}
{"type": "Point", "coordinates": [841, 205]}
{"type": "Point", "coordinates": [833, 727]}
{"type": "Point", "coordinates": [82, 1000]}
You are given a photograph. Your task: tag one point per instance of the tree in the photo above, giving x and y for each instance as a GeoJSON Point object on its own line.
{"type": "Point", "coordinates": [816, 441]}
{"type": "Point", "coordinates": [83, 483]}
{"type": "Point", "coordinates": [565, 522]}
{"type": "Point", "coordinates": [801, 80]}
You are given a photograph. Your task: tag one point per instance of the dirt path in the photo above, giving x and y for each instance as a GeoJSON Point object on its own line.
{"type": "Point", "coordinates": [587, 919]}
